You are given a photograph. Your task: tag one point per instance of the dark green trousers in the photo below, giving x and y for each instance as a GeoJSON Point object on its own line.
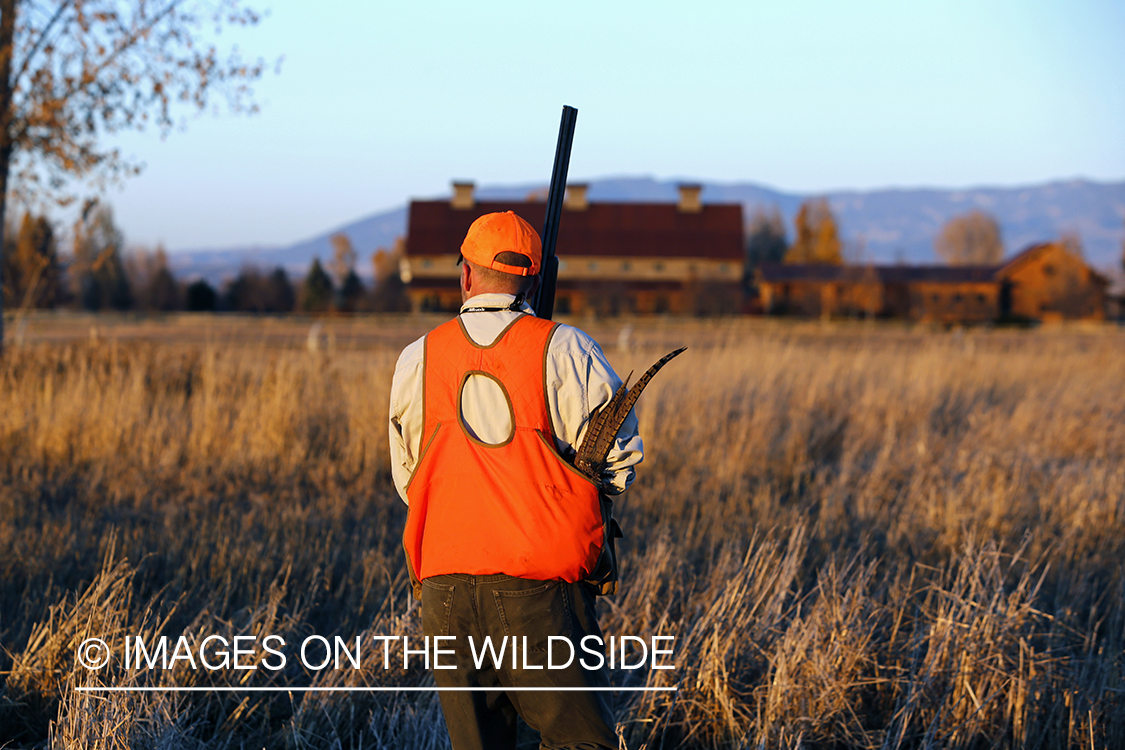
{"type": "Point", "coordinates": [497, 606]}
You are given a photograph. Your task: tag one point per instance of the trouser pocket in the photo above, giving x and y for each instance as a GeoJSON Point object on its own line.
{"type": "Point", "coordinates": [535, 609]}
{"type": "Point", "coordinates": [437, 606]}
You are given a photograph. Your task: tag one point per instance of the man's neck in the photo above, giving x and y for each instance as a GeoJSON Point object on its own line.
{"type": "Point", "coordinates": [494, 302]}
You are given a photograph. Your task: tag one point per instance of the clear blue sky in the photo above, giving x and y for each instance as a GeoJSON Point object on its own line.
{"type": "Point", "coordinates": [380, 102]}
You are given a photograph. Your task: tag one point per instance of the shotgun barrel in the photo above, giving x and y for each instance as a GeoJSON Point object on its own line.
{"type": "Point", "coordinates": [545, 302]}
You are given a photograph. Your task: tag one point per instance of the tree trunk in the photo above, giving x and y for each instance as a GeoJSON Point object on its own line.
{"type": "Point", "coordinates": [7, 44]}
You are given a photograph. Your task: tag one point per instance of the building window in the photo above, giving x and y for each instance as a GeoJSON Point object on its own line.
{"type": "Point", "coordinates": [658, 267]}
{"type": "Point", "coordinates": [958, 297]}
{"type": "Point", "coordinates": [980, 298]}
{"type": "Point", "coordinates": [626, 266]}
{"type": "Point", "coordinates": [426, 263]}
{"type": "Point", "coordinates": [592, 266]}
{"type": "Point", "coordinates": [723, 267]}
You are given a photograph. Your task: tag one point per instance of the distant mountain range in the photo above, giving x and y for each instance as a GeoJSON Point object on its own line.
{"type": "Point", "coordinates": [883, 226]}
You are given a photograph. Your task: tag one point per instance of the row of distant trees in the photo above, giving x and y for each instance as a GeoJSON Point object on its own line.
{"type": "Point", "coordinates": [98, 274]}
{"type": "Point", "coordinates": [971, 238]}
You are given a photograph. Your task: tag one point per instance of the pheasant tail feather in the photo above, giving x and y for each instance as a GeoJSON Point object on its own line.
{"type": "Point", "coordinates": [605, 424]}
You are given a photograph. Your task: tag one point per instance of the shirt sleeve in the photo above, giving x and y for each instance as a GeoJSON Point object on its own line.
{"type": "Point", "coordinates": [581, 381]}
{"type": "Point", "coordinates": [405, 428]}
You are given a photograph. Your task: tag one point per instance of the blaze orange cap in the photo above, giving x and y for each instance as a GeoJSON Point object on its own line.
{"type": "Point", "coordinates": [496, 233]}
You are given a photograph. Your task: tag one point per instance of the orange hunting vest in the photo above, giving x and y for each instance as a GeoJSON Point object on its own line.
{"type": "Point", "coordinates": [517, 507]}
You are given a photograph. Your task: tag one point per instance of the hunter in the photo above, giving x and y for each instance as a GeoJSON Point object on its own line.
{"type": "Point", "coordinates": [503, 532]}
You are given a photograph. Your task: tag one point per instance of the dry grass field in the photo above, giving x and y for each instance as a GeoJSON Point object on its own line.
{"type": "Point", "coordinates": [860, 536]}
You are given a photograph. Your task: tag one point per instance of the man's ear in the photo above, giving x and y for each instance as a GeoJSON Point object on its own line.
{"type": "Point", "coordinates": [533, 287]}
{"type": "Point", "coordinates": [466, 277]}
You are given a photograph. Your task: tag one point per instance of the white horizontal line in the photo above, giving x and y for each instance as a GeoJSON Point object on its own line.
{"type": "Point", "coordinates": [118, 689]}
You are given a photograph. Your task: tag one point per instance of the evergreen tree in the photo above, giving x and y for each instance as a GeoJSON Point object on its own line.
{"type": "Point", "coordinates": [317, 293]}
{"type": "Point", "coordinates": [765, 242]}
{"type": "Point", "coordinates": [250, 291]}
{"type": "Point", "coordinates": [280, 296]}
{"type": "Point", "coordinates": [201, 296]}
{"type": "Point", "coordinates": [351, 292]}
{"type": "Point", "coordinates": [244, 292]}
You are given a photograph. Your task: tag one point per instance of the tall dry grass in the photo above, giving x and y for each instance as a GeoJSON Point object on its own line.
{"type": "Point", "coordinates": [860, 536]}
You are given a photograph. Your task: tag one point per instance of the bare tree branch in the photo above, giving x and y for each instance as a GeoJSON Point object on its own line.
{"type": "Point", "coordinates": [39, 42]}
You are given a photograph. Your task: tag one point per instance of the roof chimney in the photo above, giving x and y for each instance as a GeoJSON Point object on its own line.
{"type": "Point", "coordinates": [689, 198]}
{"type": "Point", "coordinates": [576, 199]}
{"type": "Point", "coordinates": [462, 195]}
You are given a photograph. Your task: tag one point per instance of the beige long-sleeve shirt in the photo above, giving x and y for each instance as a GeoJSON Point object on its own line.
{"type": "Point", "coordinates": [579, 381]}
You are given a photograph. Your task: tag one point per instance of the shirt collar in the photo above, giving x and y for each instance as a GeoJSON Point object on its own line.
{"type": "Point", "coordinates": [492, 299]}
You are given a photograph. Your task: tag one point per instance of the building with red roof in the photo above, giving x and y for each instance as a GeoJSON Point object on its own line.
{"type": "Point", "coordinates": [683, 257]}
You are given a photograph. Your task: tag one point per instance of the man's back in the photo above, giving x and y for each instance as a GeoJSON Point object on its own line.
{"type": "Point", "coordinates": [579, 381]}
{"type": "Point", "coordinates": [510, 504]}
